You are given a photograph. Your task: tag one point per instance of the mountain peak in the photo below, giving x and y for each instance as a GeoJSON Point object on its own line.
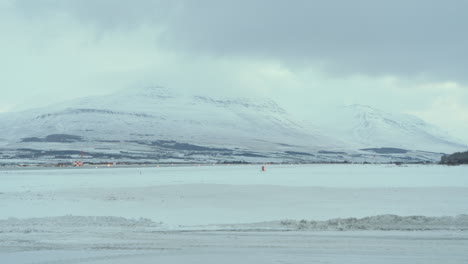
{"type": "Point", "coordinates": [150, 91]}
{"type": "Point", "coordinates": [363, 108]}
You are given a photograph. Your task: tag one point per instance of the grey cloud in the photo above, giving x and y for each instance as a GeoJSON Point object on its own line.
{"type": "Point", "coordinates": [103, 14]}
{"type": "Point", "coordinates": [346, 37]}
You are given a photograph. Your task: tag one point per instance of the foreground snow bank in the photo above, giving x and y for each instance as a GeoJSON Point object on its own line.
{"type": "Point", "coordinates": [114, 240]}
{"type": "Point", "coordinates": [71, 223]}
{"type": "Point", "coordinates": [379, 222]}
{"type": "Point", "coordinates": [108, 224]}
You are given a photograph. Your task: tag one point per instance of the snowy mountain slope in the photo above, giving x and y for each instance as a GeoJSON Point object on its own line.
{"type": "Point", "coordinates": [155, 123]}
{"type": "Point", "coordinates": [367, 127]}
{"type": "Point", "coordinates": [155, 113]}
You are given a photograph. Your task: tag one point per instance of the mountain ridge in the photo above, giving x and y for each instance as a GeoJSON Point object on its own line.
{"type": "Point", "coordinates": [155, 123]}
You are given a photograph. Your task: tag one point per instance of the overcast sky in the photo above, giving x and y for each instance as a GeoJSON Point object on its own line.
{"type": "Point", "coordinates": [401, 56]}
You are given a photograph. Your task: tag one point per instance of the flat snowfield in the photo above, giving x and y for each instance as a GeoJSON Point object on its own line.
{"type": "Point", "coordinates": [235, 214]}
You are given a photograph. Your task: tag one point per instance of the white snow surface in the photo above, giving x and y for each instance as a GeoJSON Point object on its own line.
{"type": "Point", "coordinates": [232, 214]}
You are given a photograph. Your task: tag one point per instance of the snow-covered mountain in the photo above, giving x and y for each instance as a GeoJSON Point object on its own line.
{"type": "Point", "coordinates": [363, 126]}
{"type": "Point", "coordinates": [155, 113]}
{"type": "Point", "coordinates": [160, 123]}
{"type": "Point", "coordinates": [157, 124]}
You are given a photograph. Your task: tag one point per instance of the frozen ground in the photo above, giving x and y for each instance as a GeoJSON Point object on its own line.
{"type": "Point", "coordinates": [232, 214]}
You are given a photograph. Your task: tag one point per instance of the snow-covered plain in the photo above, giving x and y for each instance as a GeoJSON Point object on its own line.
{"type": "Point", "coordinates": [232, 214]}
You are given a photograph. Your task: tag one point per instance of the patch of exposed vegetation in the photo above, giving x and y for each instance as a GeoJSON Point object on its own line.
{"type": "Point", "coordinates": [455, 158]}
